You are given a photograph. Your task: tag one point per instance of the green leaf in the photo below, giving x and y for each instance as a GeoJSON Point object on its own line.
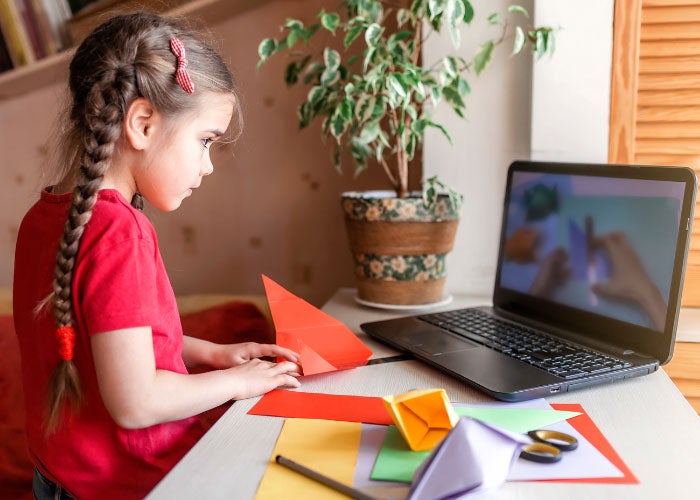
{"type": "Point", "coordinates": [411, 146]}
{"type": "Point", "coordinates": [494, 18]}
{"type": "Point", "coordinates": [331, 58]}
{"type": "Point", "coordinates": [292, 38]}
{"type": "Point", "coordinates": [419, 126]}
{"type": "Point", "coordinates": [345, 110]}
{"type": "Point", "coordinates": [291, 73]}
{"type": "Point", "coordinates": [435, 8]}
{"type": "Point", "coordinates": [402, 17]}
{"type": "Point", "coordinates": [313, 72]}
{"type": "Point", "coordinates": [450, 65]}
{"type": "Point", "coordinates": [369, 133]}
{"type": "Point", "coordinates": [453, 97]}
{"type": "Point", "coordinates": [307, 33]}
{"type": "Point", "coordinates": [315, 95]}
{"type": "Point", "coordinates": [483, 57]}
{"type": "Point", "coordinates": [397, 84]}
{"type": "Point", "coordinates": [519, 10]}
{"type": "Point", "coordinates": [304, 114]}
{"type": "Point", "coordinates": [468, 11]}
{"type": "Point", "coordinates": [369, 57]}
{"type": "Point", "coordinates": [330, 21]}
{"type": "Point", "coordinates": [336, 158]}
{"type": "Point", "coordinates": [352, 34]}
{"type": "Point", "coordinates": [374, 31]}
{"type": "Point", "coordinates": [364, 108]}
{"type": "Point", "coordinates": [338, 126]}
{"type": "Point", "coordinates": [463, 87]}
{"type": "Point", "coordinates": [519, 41]}
{"type": "Point", "coordinates": [293, 24]}
{"type": "Point", "coordinates": [455, 14]}
{"type": "Point", "coordinates": [435, 95]}
{"type": "Point", "coordinates": [329, 76]}
{"type": "Point", "coordinates": [441, 129]}
{"type": "Point", "coordinates": [266, 48]}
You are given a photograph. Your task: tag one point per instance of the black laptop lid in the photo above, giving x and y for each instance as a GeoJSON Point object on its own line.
{"type": "Point", "coordinates": [597, 249]}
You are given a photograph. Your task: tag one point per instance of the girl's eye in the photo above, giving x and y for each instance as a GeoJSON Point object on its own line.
{"type": "Point", "coordinates": [207, 142]}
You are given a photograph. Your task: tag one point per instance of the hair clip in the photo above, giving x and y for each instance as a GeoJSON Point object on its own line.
{"type": "Point", "coordinates": [181, 74]}
{"type": "Point", "coordinates": [66, 342]}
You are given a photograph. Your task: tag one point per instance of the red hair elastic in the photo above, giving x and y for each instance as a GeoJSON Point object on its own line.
{"type": "Point", "coordinates": [66, 342]}
{"type": "Point", "coordinates": [181, 74]}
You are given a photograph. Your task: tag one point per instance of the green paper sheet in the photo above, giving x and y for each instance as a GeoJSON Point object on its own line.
{"type": "Point", "coordinates": [520, 420]}
{"type": "Point", "coordinates": [397, 462]}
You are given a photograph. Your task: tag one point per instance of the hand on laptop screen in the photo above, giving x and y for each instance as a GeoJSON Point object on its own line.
{"type": "Point", "coordinates": [601, 245]}
{"type": "Point", "coordinates": [629, 281]}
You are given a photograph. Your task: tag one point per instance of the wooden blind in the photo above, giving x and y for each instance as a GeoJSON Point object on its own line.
{"type": "Point", "coordinates": [655, 99]}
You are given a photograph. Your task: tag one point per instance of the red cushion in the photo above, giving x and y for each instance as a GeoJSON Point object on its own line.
{"type": "Point", "coordinates": [15, 466]}
{"type": "Point", "coordinates": [232, 322]}
{"type": "Point", "coordinates": [229, 323]}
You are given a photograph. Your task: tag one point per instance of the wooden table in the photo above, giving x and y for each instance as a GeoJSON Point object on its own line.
{"type": "Point", "coordinates": [646, 419]}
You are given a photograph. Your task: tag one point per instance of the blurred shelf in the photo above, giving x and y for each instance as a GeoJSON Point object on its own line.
{"type": "Point", "coordinates": [52, 69]}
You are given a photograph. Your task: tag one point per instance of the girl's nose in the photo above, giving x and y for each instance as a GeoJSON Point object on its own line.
{"type": "Point", "coordinates": [208, 168]}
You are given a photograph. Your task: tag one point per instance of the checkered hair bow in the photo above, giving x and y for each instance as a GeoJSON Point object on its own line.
{"type": "Point", "coordinates": [181, 74]}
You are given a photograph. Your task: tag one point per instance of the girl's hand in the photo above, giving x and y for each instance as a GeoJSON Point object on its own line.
{"type": "Point", "coordinates": [230, 355]}
{"type": "Point", "coordinates": [256, 377]}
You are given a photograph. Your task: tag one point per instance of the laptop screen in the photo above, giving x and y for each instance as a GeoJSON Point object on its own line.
{"type": "Point", "coordinates": [608, 242]}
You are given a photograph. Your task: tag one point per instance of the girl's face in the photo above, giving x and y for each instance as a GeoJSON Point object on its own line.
{"type": "Point", "coordinates": [174, 167]}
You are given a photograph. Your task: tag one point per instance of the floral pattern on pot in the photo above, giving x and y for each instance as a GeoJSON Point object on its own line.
{"type": "Point", "coordinates": [384, 206]}
{"type": "Point", "coordinates": [400, 267]}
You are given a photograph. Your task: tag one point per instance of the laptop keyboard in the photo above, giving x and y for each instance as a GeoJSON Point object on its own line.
{"type": "Point", "coordinates": [561, 358]}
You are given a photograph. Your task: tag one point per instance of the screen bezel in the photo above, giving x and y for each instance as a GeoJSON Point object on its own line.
{"type": "Point", "coordinates": [595, 327]}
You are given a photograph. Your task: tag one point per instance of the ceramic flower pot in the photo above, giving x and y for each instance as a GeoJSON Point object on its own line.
{"type": "Point", "coordinates": [399, 246]}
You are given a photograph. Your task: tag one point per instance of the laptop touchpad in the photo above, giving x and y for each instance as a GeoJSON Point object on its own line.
{"type": "Point", "coordinates": [437, 344]}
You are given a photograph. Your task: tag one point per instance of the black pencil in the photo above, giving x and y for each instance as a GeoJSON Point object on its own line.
{"type": "Point", "coordinates": [325, 480]}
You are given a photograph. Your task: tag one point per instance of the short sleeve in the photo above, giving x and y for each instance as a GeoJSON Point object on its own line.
{"type": "Point", "coordinates": [115, 286]}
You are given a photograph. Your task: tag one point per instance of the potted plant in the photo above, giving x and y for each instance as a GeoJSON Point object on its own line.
{"type": "Point", "coordinates": [374, 99]}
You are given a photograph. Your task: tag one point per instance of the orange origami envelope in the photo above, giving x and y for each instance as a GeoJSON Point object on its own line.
{"type": "Point", "coordinates": [423, 417]}
{"type": "Point", "coordinates": [323, 343]}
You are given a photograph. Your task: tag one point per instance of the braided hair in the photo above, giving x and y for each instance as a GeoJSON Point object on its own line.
{"type": "Point", "coordinates": [125, 58]}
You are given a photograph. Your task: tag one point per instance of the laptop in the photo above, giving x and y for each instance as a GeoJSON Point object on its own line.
{"type": "Point", "coordinates": [588, 283]}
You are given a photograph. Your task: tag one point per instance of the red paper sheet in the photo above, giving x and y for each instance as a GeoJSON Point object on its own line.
{"type": "Point", "coordinates": [323, 343]}
{"type": "Point", "coordinates": [344, 408]}
{"type": "Point", "coordinates": [590, 431]}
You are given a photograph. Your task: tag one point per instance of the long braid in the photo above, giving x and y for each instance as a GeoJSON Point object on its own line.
{"type": "Point", "coordinates": [102, 129]}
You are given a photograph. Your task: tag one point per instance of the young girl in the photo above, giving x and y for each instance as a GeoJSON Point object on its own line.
{"type": "Point", "coordinates": [108, 353]}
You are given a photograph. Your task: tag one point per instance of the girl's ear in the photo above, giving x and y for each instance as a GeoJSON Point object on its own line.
{"type": "Point", "coordinates": [138, 123]}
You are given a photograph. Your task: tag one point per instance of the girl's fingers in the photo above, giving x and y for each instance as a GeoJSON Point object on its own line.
{"type": "Point", "coordinates": [275, 350]}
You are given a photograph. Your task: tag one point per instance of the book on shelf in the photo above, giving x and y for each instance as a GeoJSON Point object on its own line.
{"type": "Point", "coordinates": [5, 60]}
{"type": "Point", "coordinates": [42, 27]}
{"type": "Point", "coordinates": [57, 13]}
{"type": "Point", "coordinates": [16, 38]}
{"type": "Point", "coordinates": [31, 28]}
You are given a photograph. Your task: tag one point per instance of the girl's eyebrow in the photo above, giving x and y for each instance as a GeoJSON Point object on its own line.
{"type": "Point", "coordinates": [215, 132]}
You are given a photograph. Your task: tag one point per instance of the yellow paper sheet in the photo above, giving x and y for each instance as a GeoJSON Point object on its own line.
{"type": "Point", "coordinates": [326, 446]}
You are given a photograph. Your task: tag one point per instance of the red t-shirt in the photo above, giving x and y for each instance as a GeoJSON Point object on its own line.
{"type": "Point", "coordinates": [119, 282]}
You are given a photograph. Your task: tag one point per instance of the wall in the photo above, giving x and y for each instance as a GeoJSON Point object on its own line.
{"type": "Point", "coordinates": [554, 109]}
{"type": "Point", "coordinates": [571, 91]}
{"type": "Point", "coordinates": [272, 205]}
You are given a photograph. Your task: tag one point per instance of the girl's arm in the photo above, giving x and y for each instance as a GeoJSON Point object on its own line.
{"type": "Point", "coordinates": [138, 395]}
